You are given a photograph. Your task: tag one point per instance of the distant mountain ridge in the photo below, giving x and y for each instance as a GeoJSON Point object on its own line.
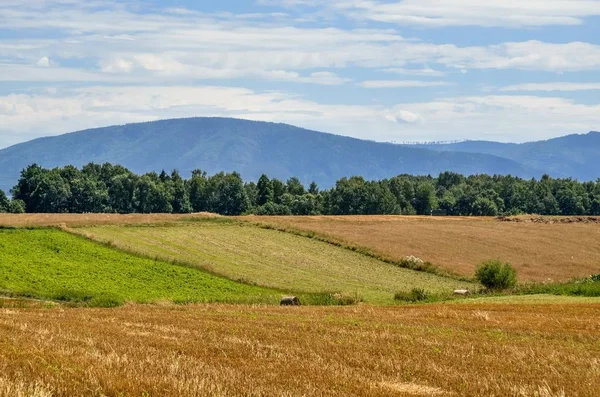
{"type": "Point", "coordinates": [576, 156]}
{"type": "Point", "coordinates": [253, 148]}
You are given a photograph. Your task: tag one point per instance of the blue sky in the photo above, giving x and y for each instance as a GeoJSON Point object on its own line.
{"type": "Point", "coordinates": [412, 70]}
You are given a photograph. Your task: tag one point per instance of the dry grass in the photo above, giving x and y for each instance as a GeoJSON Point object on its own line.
{"type": "Point", "coordinates": [34, 220]}
{"type": "Point", "coordinates": [270, 258]}
{"type": "Point", "coordinates": [222, 350]}
{"type": "Point", "coordinates": [539, 251]}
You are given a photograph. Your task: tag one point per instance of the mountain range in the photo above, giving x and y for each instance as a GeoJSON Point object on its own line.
{"type": "Point", "coordinates": [281, 151]}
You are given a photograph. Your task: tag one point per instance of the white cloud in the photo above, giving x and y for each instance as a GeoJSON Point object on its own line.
{"type": "Point", "coordinates": [190, 44]}
{"type": "Point", "coordinates": [425, 72]}
{"type": "Point", "coordinates": [403, 116]}
{"type": "Point", "coordinates": [440, 13]}
{"type": "Point", "coordinates": [556, 86]}
{"type": "Point", "coordinates": [117, 65]}
{"type": "Point", "coordinates": [27, 73]}
{"type": "Point", "coordinates": [401, 83]}
{"type": "Point", "coordinates": [43, 62]}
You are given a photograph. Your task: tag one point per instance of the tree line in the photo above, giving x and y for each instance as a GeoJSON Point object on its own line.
{"type": "Point", "coordinates": [109, 188]}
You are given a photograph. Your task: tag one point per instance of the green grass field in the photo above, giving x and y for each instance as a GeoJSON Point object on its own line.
{"type": "Point", "coordinates": [52, 264]}
{"type": "Point", "coordinates": [272, 259]}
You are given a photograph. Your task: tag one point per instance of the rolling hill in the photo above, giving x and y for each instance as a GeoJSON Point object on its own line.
{"type": "Point", "coordinates": [249, 147]}
{"type": "Point", "coordinates": [273, 259]}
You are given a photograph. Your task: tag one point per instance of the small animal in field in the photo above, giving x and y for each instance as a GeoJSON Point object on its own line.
{"type": "Point", "coordinates": [462, 292]}
{"type": "Point", "coordinates": [290, 301]}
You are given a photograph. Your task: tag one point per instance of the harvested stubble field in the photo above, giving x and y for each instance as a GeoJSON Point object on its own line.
{"type": "Point", "coordinates": [38, 220]}
{"type": "Point", "coordinates": [271, 258]}
{"type": "Point", "coordinates": [540, 251]}
{"type": "Point", "coordinates": [223, 350]}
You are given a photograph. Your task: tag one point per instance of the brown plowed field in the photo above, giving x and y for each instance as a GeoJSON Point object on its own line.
{"type": "Point", "coordinates": [221, 350]}
{"type": "Point", "coordinates": [540, 251]}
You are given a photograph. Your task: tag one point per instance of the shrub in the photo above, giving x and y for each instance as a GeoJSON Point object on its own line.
{"type": "Point", "coordinates": [415, 295]}
{"type": "Point", "coordinates": [595, 277]}
{"type": "Point", "coordinates": [496, 275]}
{"type": "Point", "coordinates": [414, 263]}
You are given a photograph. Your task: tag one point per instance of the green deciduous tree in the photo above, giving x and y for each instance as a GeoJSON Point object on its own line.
{"type": "Point", "coordinates": [483, 206]}
{"type": "Point", "coordinates": [88, 195]}
{"type": "Point", "coordinates": [265, 190]}
{"type": "Point", "coordinates": [180, 197]}
{"type": "Point", "coordinates": [425, 199]}
{"type": "Point", "coordinates": [4, 202]}
{"type": "Point", "coordinates": [197, 187]}
{"type": "Point", "coordinates": [227, 195]}
{"type": "Point", "coordinates": [295, 187]}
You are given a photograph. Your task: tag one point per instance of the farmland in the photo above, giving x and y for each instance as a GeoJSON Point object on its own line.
{"type": "Point", "coordinates": [224, 350]}
{"type": "Point", "coordinates": [60, 345]}
{"type": "Point", "coordinates": [271, 258]}
{"type": "Point", "coordinates": [51, 264]}
{"type": "Point", "coordinates": [539, 251]}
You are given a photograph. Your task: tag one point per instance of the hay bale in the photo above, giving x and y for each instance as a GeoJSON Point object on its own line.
{"type": "Point", "coordinates": [290, 301]}
{"type": "Point", "coordinates": [462, 292]}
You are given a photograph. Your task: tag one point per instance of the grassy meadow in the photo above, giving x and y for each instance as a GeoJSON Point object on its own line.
{"type": "Point", "coordinates": [52, 264]}
{"type": "Point", "coordinates": [539, 251]}
{"type": "Point", "coordinates": [241, 251]}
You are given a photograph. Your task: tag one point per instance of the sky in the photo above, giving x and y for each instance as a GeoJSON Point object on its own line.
{"type": "Point", "coordinates": [393, 71]}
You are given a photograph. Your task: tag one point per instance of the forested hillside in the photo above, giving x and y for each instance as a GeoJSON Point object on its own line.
{"type": "Point", "coordinates": [114, 188]}
{"type": "Point", "coordinates": [250, 147]}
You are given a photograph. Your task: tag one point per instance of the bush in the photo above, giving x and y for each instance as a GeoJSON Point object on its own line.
{"type": "Point", "coordinates": [496, 275]}
{"type": "Point", "coordinates": [415, 295]}
{"type": "Point", "coordinates": [414, 263]}
{"type": "Point", "coordinates": [595, 277]}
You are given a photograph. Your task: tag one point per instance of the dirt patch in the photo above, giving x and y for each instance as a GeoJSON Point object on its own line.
{"type": "Point", "coordinates": [549, 219]}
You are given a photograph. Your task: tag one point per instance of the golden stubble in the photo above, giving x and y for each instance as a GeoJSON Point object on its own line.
{"type": "Point", "coordinates": [72, 220]}
{"type": "Point", "coordinates": [226, 350]}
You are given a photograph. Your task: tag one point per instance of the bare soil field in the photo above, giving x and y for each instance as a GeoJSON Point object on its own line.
{"type": "Point", "coordinates": [224, 350]}
{"type": "Point", "coordinates": [557, 250]}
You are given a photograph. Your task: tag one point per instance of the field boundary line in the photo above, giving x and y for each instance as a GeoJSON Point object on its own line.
{"type": "Point", "coordinates": [426, 267]}
{"type": "Point", "coordinates": [139, 254]}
